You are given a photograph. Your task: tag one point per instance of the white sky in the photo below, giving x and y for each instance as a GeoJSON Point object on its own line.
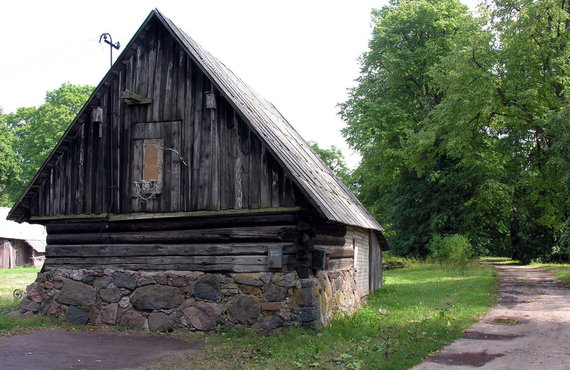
{"type": "Point", "coordinates": [299, 54]}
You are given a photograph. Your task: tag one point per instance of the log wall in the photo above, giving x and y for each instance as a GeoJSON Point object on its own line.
{"type": "Point", "coordinates": [222, 244]}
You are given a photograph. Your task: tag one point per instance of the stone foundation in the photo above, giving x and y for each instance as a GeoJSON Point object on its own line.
{"type": "Point", "coordinates": [168, 300]}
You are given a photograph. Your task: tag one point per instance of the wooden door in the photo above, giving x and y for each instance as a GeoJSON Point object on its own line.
{"type": "Point", "coordinates": [156, 164]}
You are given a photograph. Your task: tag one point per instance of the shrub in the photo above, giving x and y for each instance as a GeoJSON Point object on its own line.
{"type": "Point", "coordinates": [455, 250]}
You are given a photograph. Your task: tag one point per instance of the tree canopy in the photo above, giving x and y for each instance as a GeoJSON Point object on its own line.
{"type": "Point", "coordinates": [463, 123]}
{"type": "Point", "coordinates": [31, 133]}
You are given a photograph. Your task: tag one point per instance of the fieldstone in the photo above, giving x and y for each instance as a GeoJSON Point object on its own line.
{"type": "Point", "coordinates": [122, 280]}
{"type": "Point", "coordinates": [248, 289]}
{"type": "Point", "coordinates": [76, 315]}
{"type": "Point", "coordinates": [307, 314]}
{"type": "Point", "coordinates": [245, 309]}
{"type": "Point", "coordinates": [76, 294]}
{"type": "Point", "coordinates": [270, 322]}
{"type": "Point", "coordinates": [134, 319]}
{"type": "Point", "coordinates": [266, 277]}
{"type": "Point", "coordinates": [102, 282]}
{"type": "Point", "coordinates": [88, 279]}
{"type": "Point", "coordinates": [160, 321]}
{"type": "Point", "coordinates": [52, 310]}
{"type": "Point", "coordinates": [145, 280]}
{"type": "Point", "coordinates": [285, 280]}
{"type": "Point", "coordinates": [271, 306]}
{"type": "Point", "coordinates": [187, 303]}
{"type": "Point", "coordinates": [177, 280]}
{"type": "Point", "coordinates": [208, 287]}
{"type": "Point", "coordinates": [28, 305]}
{"type": "Point", "coordinates": [249, 279]}
{"type": "Point", "coordinates": [35, 295]}
{"type": "Point", "coordinates": [112, 294]}
{"type": "Point", "coordinates": [124, 302]}
{"type": "Point", "coordinates": [156, 297]}
{"type": "Point", "coordinates": [308, 283]}
{"type": "Point", "coordinates": [203, 315]}
{"type": "Point", "coordinates": [275, 293]}
{"type": "Point", "coordinates": [48, 285]}
{"type": "Point", "coordinates": [76, 275]}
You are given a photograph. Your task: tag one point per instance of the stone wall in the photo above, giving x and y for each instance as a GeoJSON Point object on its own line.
{"type": "Point", "coordinates": [168, 300]}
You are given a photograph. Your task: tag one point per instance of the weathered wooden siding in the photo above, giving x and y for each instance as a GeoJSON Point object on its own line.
{"type": "Point", "coordinates": [359, 240]}
{"type": "Point", "coordinates": [212, 159]}
{"type": "Point", "coordinates": [188, 244]}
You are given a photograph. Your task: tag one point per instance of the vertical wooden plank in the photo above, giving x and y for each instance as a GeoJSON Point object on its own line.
{"type": "Point", "coordinates": [275, 181]}
{"type": "Point", "coordinates": [176, 166]}
{"type": "Point", "coordinates": [167, 166]}
{"type": "Point", "coordinates": [197, 139]}
{"type": "Point", "coordinates": [157, 71]}
{"type": "Point", "coordinates": [244, 133]}
{"type": "Point", "coordinates": [254, 172]}
{"type": "Point", "coordinates": [265, 182]}
{"type": "Point", "coordinates": [169, 103]}
{"type": "Point", "coordinates": [188, 134]}
{"type": "Point", "coordinates": [204, 177]}
{"type": "Point", "coordinates": [214, 202]}
{"type": "Point", "coordinates": [80, 190]}
{"type": "Point", "coordinates": [116, 131]}
{"type": "Point", "coordinates": [230, 144]}
{"type": "Point", "coordinates": [238, 191]}
{"type": "Point", "coordinates": [89, 144]}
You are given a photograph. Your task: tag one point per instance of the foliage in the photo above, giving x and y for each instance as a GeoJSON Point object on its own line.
{"type": "Point", "coordinates": [334, 159]}
{"type": "Point", "coordinates": [419, 310]}
{"type": "Point", "coordinates": [9, 166]}
{"type": "Point", "coordinates": [454, 250]}
{"type": "Point", "coordinates": [441, 157]}
{"type": "Point", "coordinates": [36, 131]}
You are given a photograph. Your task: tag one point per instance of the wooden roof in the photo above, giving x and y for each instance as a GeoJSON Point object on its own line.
{"type": "Point", "coordinates": [321, 187]}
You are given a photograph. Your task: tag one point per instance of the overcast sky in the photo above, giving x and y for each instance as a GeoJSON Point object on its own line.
{"type": "Point", "coordinates": [299, 54]}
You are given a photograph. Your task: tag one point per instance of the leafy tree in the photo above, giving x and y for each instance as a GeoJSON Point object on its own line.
{"type": "Point", "coordinates": [9, 166]}
{"type": "Point", "coordinates": [464, 125]}
{"type": "Point", "coordinates": [411, 185]}
{"type": "Point", "coordinates": [335, 160]}
{"type": "Point", "coordinates": [36, 131]}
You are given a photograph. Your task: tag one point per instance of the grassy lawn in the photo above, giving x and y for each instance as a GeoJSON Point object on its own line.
{"type": "Point", "coordinates": [419, 310]}
{"type": "Point", "coordinates": [10, 279]}
{"type": "Point", "coordinates": [560, 270]}
{"type": "Point", "coordinates": [17, 278]}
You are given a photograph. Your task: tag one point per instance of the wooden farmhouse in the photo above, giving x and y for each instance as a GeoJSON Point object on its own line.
{"type": "Point", "coordinates": [179, 197]}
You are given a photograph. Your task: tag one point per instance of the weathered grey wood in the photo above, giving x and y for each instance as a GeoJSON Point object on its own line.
{"type": "Point", "coordinates": [170, 224]}
{"type": "Point", "coordinates": [170, 260]}
{"type": "Point", "coordinates": [259, 234]}
{"type": "Point", "coordinates": [175, 267]}
{"type": "Point", "coordinates": [339, 263]}
{"type": "Point", "coordinates": [336, 251]}
{"type": "Point", "coordinates": [116, 250]}
{"type": "Point", "coordinates": [375, 259]}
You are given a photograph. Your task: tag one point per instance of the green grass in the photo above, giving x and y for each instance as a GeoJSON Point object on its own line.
{"type": "Point", "coordinates": [10, 279]}
{"type": "Point", "coordinates": [560, 270]}
{"type": "Point", "coordinates": [419, 310]}
{"type": "Point", "coordinates": [18, 278]}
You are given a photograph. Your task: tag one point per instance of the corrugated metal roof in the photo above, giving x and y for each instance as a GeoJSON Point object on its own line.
{"type": "Point", "coordinates": [327, 193]}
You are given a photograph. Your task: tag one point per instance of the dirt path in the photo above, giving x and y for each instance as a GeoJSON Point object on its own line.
{"type": "Point", "coordinates": [528, 329]}
{"type": "Point", "coordinates": [103, 349]}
